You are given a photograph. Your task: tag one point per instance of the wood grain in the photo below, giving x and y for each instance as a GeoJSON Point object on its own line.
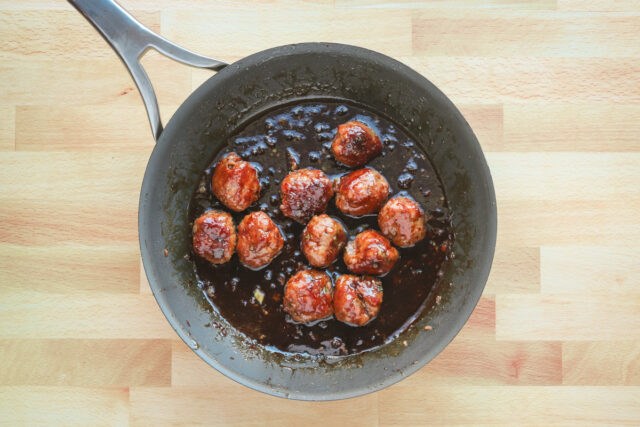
{"type": "Point", "coordinates": [516, 80]}
{"type": "Point", "coordinates": [568, 222]}
{"type": "Point", "coordinates": [482, 322]}
{"type": "Point", "coordinates": [79, 406]}
{"type": "Point", "coordinates": [89, 362]}
{"type": "Point", "coordinates": [283, 25]}
{"type": "Point", "coordinates": [120, 316]}
{"type": "Point", "coordinates": [486, 362]}
{"type": "Point", "coordinates": [605, 270]}
{"type": "Point", "coordinates": [514, 34]}
{"type": "Point", "coordinates": [514, 270]}
{"type": "Point", "coordinates": [601, 363]}
{"type": "Point", "coordinates": [232, 404]}
{"type": "Point", "coordinates": [567, 317]}
{"type": "Point", "coordinates": [40, 128]}
{"type": "Point", "coordinates": [7, 128]}
{"type": "Point", "coordinates": [108, 269]}
{"type": "Point", "coordinates": [76, 223]}
{"type": "Point", "coordinates": [599, 5]}
{"type": "Point", "coordinates": [566, 176]}
{"type": "Point", "coordinates": [81, 81]}
{"type": "Point", "coordinates": [551, 88]}
{"type": "Point", "coordinates": [455, 4]}
{"type": "Point", "coordinates": [478, 405]}
{"type": "Point", "coordinates": [66, 34]}
{"type": "Point", "coordinates": [154, 5]}
{"type": "Point", "coordinates": [71, 176]}
{"type": "Point", "coordinates": [566, 127]}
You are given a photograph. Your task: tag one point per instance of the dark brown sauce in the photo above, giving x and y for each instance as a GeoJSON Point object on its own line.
{"type": "Point", "coordinates": [302, 135]}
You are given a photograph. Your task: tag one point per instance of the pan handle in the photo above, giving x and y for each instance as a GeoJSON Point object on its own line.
{"type": "Point", "coordinates": [131, 40]}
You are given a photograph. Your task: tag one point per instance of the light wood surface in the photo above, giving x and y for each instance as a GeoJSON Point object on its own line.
{"type": "Point", "coordinates": [551, 88]}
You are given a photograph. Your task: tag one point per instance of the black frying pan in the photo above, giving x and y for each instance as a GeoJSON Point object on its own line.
{"type": "Point", "coordinates": [231, 98]}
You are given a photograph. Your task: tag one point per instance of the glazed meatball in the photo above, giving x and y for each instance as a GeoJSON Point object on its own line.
{"type": "Point", "coordinates": [308, 296]}
{"type": "Point", "coordinates": [305, 193]}
{"type": "Point", "coordinates": [235, 183]}
{"type": "Point", "coordinates": [322, 240]}
{"type": "Point", "coordinates": [259, 240]}
{"type": "Point", "coordinates": [357, 300]}
{"type": "Point", "coordinates": [402, 221]}
{"type": "Point", "coordinates": [361, 192]}
{"type": "Point", "coordinates": [370, 253]}
{"type": "Point", "coordinates": [355, 144]}
{"type": "Point", "coordinates": [214, 236]}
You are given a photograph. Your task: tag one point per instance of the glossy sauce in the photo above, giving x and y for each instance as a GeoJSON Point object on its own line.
{"type": "Point", "coordinates": [297, 137]}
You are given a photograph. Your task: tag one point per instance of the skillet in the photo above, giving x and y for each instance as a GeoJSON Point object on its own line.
{"type": "Point", "coordinates": [231, 98]}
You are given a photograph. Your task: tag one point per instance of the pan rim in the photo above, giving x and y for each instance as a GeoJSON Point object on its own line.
{"type": "Point", "coordinates": [393, 377]}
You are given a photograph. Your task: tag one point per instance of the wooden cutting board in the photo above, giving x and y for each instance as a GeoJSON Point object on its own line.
{"type": "Point", "coordinates": [551, 88]}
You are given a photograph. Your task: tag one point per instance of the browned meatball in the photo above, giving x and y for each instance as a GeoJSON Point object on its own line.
{"type": "Point", "coordinates": [357, 300]}
{"type": "Point", "coordinates": [308, 296]}
{"type": "Point", "coordinates": [355, 144]}
{"type": "Point", "coordinates": [305, 193]}
{"type": "Point", "coordinates": [235, 183]}
{"type": "Point", "coordinates": [370, 253]}
{"type": "Point", "coordinates": [402, 220]}
{"type": "Point", "coordinates": [361, 192]}
{"type": "Point", "coordinates": [322, 240]}
{"type": "Point", "coordinates": [259, 240]}
{"type": "Point", "coordinates": [214, 236]}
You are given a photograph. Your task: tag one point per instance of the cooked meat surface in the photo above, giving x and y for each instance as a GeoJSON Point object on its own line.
{"type": "Point", "coordinates": [235, 183]}
{"type": "Point", "coordinates": [357, 300]}
{"type": "Point", "coordinates": [402, 221]}
{"type": "Point", "coordinates": [304, 193]}
{"type": "Point", "coordinates": [322, 240]}
{"type": "Point", "coordinates": [370, 253]}
{"type": "Point", "coordinates": [308, 296]}
{"type": "Point", "coordinates": [259, 240]}
{"type": "Point", "coordinates": [214, 236]}
{"type": "Point", "coordinates": [361, 192]}
{"type": "Point", "coordinates": [355, 144]}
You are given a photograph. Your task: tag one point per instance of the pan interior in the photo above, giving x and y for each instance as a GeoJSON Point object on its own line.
{"type": "Point", "coordinates": [299, 136]}
{"type": "Point", "coordinates": [263, 81]}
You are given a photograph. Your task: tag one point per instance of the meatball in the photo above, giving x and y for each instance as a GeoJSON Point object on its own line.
{"type": "Point", "coordinates": [322, 240]}
{"type": "Point", "coordinates": [370, 253]}
{"type": "Point", "coordinates": [235, 183]}
{"type": "Point", "coordinates": [357, 300]}
{"type": "Point", "coordinates": [308, 296]}
{"type": "Point", "coordinates": [402, 221]}
{"type": "Point", "coordinates": [305, 193]}
{"type": "Point", "coordinates": [259, 240]}
{"type": "Point", "coordinates": [361, 192]}
{"type": "Point", "coordinates": [214, 236]}
{"type": "Point", "coordinates": [355, 144]}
